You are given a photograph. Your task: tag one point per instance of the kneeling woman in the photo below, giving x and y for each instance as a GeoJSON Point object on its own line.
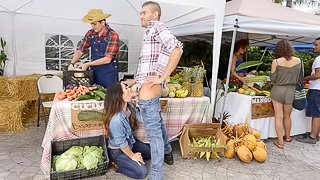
{"type": "Point", "coordinates": [123, 149]}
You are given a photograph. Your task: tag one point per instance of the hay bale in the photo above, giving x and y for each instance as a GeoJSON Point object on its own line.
{"type": "Point", "coordinates": [19, 88]}
{"type": "Point", "coordinates": [23, 88]}
{"type": "Point", "coordinates": [11, 115]}
{"type": "Point", "coordinates": [3, 88]}
{"type": "Point", "coordinates": [29, 112]}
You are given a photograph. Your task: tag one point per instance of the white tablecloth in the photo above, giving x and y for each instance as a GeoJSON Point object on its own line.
{"type": "Point", "coordinates": [239, 107]}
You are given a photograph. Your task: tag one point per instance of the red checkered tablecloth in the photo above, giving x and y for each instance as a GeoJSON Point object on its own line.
{"type": "Point", "coordinates": [175, 113]}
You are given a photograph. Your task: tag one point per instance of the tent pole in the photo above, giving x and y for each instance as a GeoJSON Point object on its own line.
{"type": "Point", "coordinates": [219, 8]}
{"type": "Point", "coordinates": [14, 44]}
{"type": "Point", "coordinates": [226, 87]}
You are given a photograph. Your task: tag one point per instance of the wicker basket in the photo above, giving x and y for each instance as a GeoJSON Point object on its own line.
{"type": "Point", "coordinates": [59, 147]}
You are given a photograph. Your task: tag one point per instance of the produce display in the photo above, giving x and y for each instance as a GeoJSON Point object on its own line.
{"type": "Point", "coordinates": [244, 142]}
{"type": "Point", "coordinates": [209, 142]}
{"type": "Point", "coordinates": [78, 157]}
{"type": "Point", "coordinates": [186, 83]}
{"type": "Point", "coordinates": [252, 91]}
{"type": "Point", "coordinates": [258, 84]}
{"type": "Point", "coordinates": [79, 93]}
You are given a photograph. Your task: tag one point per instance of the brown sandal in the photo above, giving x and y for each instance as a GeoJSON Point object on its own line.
{"type": "Point", "coordinates": [289, 139]}
{"type": "Point", "coordinates": [276, 143]}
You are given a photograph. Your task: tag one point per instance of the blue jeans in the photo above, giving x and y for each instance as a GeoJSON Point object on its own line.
{"type": "Point", "coordinates": [126, 165]}
{"type": "Point", "coordinates": [157, 135]}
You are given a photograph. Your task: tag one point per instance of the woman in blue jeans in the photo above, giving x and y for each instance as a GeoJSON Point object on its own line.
{"type": "Point", "coordinates": [123, 149]}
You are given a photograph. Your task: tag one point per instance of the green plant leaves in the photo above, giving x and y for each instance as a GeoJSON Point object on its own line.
{"type": "Point", "coordinates": [248, 64]}
{"type": "Point", "coordinates": [3, 44]}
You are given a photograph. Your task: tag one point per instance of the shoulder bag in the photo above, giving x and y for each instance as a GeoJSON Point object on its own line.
{"type": "Point", "coordinates": [300, 98]}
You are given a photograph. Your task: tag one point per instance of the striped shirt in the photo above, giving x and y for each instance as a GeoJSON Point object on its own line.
{"type": "Point", "coordinates": [158, 43]}
{"type": "Point", "coordinates": [112, 49]}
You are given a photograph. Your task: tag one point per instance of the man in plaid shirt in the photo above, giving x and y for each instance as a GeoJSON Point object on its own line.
{"type": "Point", "coordinates": [104, 43]}
{"type": "Point", "coordinates": [160, 54]}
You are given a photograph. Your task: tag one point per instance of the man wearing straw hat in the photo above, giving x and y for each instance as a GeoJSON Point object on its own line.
{"type": "Point", "coordinates": [104, 43]}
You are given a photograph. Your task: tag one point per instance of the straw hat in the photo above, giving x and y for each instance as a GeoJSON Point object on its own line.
{"type": "Point", "coordinates": [94, 15]}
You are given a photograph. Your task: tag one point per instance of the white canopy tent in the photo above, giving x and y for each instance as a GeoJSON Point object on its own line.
{"type": "Point", "coordinates": [29, 22]}
{"type": "Point", "coordinates": [26, 25]}
{"type": "Point", "coordinates": [263, 23]}
{"type": "Point", "coordinates": [260, 18]}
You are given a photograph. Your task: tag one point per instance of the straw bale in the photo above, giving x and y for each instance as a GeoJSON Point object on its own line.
{"type": "Point", "coordinates": [11, 115]}
{"type": "Point", "coordinates": [3, 88]}
{"type": "Point", "coordinates": [30, 111]}
{"type": "Point", "coordinates": [23, 88]}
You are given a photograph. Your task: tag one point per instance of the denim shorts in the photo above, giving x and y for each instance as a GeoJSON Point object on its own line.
{"type": "Point", "coordinates": [313, 103]}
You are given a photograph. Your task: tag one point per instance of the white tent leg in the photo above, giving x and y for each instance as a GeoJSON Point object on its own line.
{"type": "Point", "coordinates": [14, 44]}
{"type": "Point", "coordinates": [226, 87]}
{"type": "Point", "coordinates": [218, 24]}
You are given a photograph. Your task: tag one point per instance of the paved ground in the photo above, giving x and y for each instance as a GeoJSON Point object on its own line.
{"type": "Point", "coordinates": [20, 155]}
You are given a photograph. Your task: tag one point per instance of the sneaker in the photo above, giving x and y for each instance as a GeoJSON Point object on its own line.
{"type": "Point", "coordinates": [307, 139]}
{"type": "Point", "coordinates": [168, 158]}
{"type": "Point", "coordinates": [308, 134]}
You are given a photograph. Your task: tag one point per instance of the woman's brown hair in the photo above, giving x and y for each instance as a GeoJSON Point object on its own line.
{"type": "Point", "coordinates": [284, 49]}
{"type": "Point", "coordinates": [242, 43]}
{"type": "Point", "coordinates": [113, 104]}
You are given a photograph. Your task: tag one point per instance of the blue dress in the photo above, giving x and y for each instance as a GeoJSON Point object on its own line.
{"type": "Point", "coordinates": [238, 62]}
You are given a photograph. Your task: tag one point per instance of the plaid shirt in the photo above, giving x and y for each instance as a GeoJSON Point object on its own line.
{"type": "Point", "coordinates": [112, 49]}
{"type": "Point", "coordinates": [158, 43]}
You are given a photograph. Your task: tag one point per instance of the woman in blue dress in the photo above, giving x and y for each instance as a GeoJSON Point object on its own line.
{"type": "Point", "coordinates": [239, 49]}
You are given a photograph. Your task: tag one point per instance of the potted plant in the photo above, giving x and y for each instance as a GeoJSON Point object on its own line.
{"type": "Point", "coordinates": [3, 56]}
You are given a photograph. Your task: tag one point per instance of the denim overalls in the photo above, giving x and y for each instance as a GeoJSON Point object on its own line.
{"type": "Point", "coordinates": [107, 74]}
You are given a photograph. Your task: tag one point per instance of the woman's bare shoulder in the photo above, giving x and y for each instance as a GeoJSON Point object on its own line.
{"type": "Point", "coordinates": [298, 60]}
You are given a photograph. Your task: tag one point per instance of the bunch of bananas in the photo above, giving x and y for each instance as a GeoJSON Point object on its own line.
{"type": "Point", "coordinates": [182, 93]}
{"type": "Point", "coordinates": [267, 93]}
{"type": "Point", "coordinates": [207, 142]}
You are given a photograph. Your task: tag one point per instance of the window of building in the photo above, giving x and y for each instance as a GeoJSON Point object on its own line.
{"type": "Point", "coordinates": [59, 50]}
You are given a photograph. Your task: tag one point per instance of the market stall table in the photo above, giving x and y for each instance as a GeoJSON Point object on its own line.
{"type": "Point", "coordinates": [175, 112]}
{"type": "Point", "coordinates": [238, 106]}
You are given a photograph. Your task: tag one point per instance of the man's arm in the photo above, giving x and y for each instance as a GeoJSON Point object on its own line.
{"type": "Point", "coordinates": [314, 76]}
{"type": "Point", "coordinates": [101, 61]}
{"type": "Point", "coordinates": [76, 57]}
{"type": "Point", "coordinates": [172, 64]}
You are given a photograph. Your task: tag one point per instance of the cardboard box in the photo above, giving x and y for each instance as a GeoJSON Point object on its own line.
{"type": "Point", "coordinates": [200, 130]}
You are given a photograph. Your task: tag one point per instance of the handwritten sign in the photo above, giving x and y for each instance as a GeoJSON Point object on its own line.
{"type": "Point", "coordinates": [261, 107]}
{"type": "Point", "coordinates": [87, 115]}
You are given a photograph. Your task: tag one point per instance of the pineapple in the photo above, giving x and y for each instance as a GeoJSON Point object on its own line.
{"type": "Point", "coordinates": [186, 84]}
{"type": "Point", "coordinates": [197, 87]}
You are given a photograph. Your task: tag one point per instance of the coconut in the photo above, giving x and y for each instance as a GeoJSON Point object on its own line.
{"type": "Point", "coordinates": [238, 129]}
{"type": "Point", "coordinates": [230, 149]}
{"type": "Point", "coordinates": [244, 154]}
{"type": "Point", "coordinates": [256, 134]}
{"type": "Point", "coordinates": [262, 145]}
{"type": "Point", "coordinates": [250, 141]}
{"type": "Point", "coordinates": [259, 154]}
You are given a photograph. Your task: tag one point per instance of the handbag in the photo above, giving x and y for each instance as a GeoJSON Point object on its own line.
{"type": "Point", "coordinates": [300, 96]}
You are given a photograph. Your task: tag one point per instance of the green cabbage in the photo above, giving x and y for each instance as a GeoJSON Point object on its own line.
{"type": "Point", "coordinates": [78, 157]}
{"type": "Point", "coordinates": [74, 150]}
{"type": "Point", "coordinates": [66, 163]}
